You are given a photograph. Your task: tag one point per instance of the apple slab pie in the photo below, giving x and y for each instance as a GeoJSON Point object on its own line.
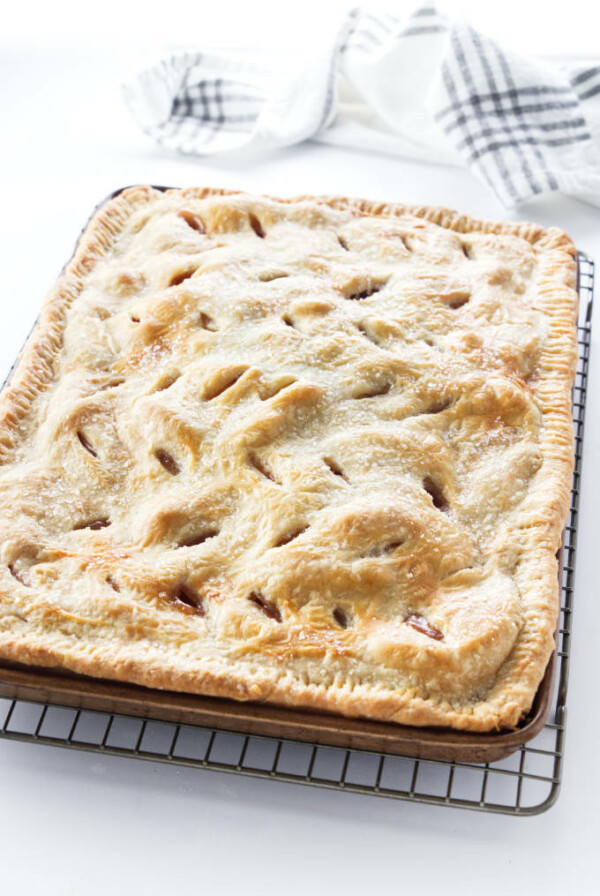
{"type": "Point", "coordinates": [316, 452]}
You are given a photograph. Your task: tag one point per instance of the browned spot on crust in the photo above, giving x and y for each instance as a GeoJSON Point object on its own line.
{"type": "Point", "coordinates": [206, 322]}
{"type": "Point", "coordinates": [268, 276]}
{"type": "Point", "coordinates": [436, 407]}
{"type": "Point", "coordinates": [167, 461]}
{"type": "Point", "coordinates": [374, 390]}
{"type": "Point", "coordinates": [111, 384]}
{"type": "Point", "coordinates": [193, 221]}
{"type": "Point", "coordinates": [222, 384]}
{"type": "Point", "coordinates": [100, 523]}
{"type": "Point", "coordinates": [341, 617]}
{"type": "Point", "coordinates": [256, 225]}
{"type": "Point", "coordinates": [16, 575]}
{"type": "Point", "coordinates": [128, 283]}
{"type": "Point", "coordinates": [456, 299]}
{"type": "Point", "coordinates": [392, 546]}
{"type": "Point", "coordinates": [199, 538]}
{"type": "Point", "coordinates": [380, 550]}
{"type": "Point", "coordinates": [86, 443]}
{"type": "Point", "coordinates": [362, 328]}
{"type": "Point", "coordinates": [180, 276]}
{"type": "Point", "coordinates": [368, 291]}
{"type": "Point", "coordinates": [289, 536]}
{"type": "Point", "coordinates": [260, 466]}
{"type": "Point", "coordinates": [420, 624]}
{"type": "Point", "coordinates": [186, 599]}
{"type": "Point", "coordinates": [335, 468]}
{"type": "Point", "coordinates": [435, 493]}
{"type": "Point", "coordinates": [268, 607]}
{"type": "Point", "coordinates": [167, 381]}
{"type": "Point", "coordinates": [270, 390]}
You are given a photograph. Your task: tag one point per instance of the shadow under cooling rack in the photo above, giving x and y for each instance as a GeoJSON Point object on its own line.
{"type": "Point", "coordinates": [525, 783]}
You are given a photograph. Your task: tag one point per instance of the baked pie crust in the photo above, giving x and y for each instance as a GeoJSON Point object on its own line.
{"type": "Point", "coordinates": [316, 452]}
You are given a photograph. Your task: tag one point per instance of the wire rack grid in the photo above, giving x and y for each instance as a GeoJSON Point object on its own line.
{"type": "Point", "coordinates": [525, 783]}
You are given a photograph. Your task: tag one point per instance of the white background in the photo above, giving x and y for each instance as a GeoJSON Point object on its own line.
{"type": "Point", "coordinates": [525, 25]}
{"type": "Point", "coordinates": [72, 822]}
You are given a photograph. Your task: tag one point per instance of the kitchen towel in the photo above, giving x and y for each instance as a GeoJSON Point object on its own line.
{"type": "Point", "coordinates": [417, 85]}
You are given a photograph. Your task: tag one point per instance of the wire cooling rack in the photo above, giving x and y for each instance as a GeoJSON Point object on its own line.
{"type": "Point", "coordinates": [526, 783]}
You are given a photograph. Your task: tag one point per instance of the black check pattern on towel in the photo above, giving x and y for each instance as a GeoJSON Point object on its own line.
{"type": "Point", "coordinates": [508, 132]}
{"type": "Point", "coordinates": [216, 104]}
{"type": "Point", "coordinates": [586, 83]}
{"type": "Point", "coordinates": [368, 32]}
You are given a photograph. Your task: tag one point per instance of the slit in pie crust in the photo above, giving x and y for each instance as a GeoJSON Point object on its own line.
{"type": "Point", "coordinates": [316, 452]}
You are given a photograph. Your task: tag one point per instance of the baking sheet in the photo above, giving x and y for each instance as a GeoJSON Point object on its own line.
{"type": "Point", "coordinates": [49, 686]}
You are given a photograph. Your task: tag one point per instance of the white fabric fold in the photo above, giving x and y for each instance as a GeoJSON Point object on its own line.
{"type": "Point", "coordinates": [415, 85]}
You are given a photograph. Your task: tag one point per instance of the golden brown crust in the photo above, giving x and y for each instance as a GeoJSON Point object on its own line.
{"type": "Point", "coordinates": [424, 589]}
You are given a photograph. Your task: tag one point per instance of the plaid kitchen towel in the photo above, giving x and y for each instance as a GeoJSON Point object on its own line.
{"type": "Point", "coordinates": [416, 85]}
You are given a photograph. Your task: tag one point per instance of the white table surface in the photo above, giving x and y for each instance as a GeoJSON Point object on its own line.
{"type": "Point", "coordinates": [74, 822]}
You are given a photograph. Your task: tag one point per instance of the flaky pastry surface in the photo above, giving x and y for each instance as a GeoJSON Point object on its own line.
{"type": "Point", "coordinates": [316, 452]}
